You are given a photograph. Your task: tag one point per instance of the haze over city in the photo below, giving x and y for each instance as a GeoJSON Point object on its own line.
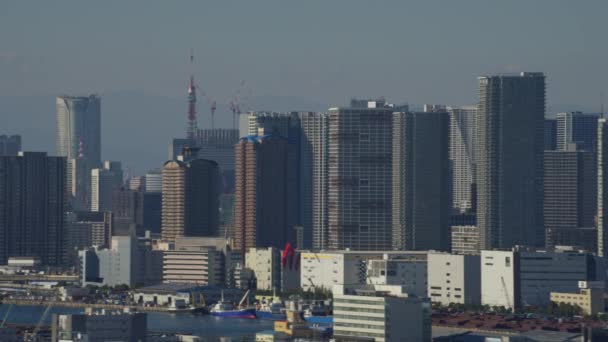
{"type": "Point", "coordinates": [297, 56]}
{"type": "Point", "coordinates": [313, 171]}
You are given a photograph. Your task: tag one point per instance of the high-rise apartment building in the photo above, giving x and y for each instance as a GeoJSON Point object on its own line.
{"type": "Point", "coordinates": [265, 205]}
{"type": "Point", "coordinates": [218, 145]}
{"type": "Point", "coordinates": [570, 198]}
{"type": "Point", "coordinates": [128, 212]}
{"type": "Point", "coordinates": [576, 128]}
{"type": "Point", "coordinates": [190, 198]}
{"type": "Point", "coordinates": [173, 200]}
{"type": "Point", "coordinates": [153, 181]}
{"type": "Point", "coordinates": [550, 134]}
{"type": "Point", "coordinates": [360, 176]}
{"type": "Point", "coordinates": [79, 140]}
{"type": "Point", "coordinates": [510, 144]}
{"type": "Point", "coordinates": [314, 179]}
{"type": "Point", "coordinates": [602, 187]}
{"type": "Point", "coordinates": [462, 157]}
{"type": "Point", "coordinates": [32, 207]}
{"type": "Point", "coordinates": [10, 145]}
{"type": "Point", "coordinates": [421, 181]}
{"type": "Point", "coordinates": [202, 198]}
{"type": "Point", "coordinates": [104, 181]}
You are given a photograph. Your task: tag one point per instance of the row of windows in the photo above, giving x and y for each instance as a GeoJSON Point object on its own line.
{"type": "Point", "coordinates": [346, 308]}
{"type": "Point", "coordinates": [367, 318]}
{"type": "Point", "coordinates": [357, 301]}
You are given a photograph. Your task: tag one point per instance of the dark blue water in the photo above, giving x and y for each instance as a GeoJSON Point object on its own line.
{"type": "Point", "coordinates": [205, 326]}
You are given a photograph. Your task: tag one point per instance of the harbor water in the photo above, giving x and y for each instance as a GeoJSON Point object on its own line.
{"type": "Point", "coordinates": [204, 326]}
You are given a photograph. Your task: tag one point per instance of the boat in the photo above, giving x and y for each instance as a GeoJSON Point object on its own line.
{"type": "Point", "coordinates": [271, 311]}
{"type": "Point", "coordinates": [228, 310]}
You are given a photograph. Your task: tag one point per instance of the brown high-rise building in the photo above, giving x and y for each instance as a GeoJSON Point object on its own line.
{"type": "Point", "coordinates": [173, 200]}
{"type": "Point", "coordinates": [265, 208]}
{"type": "Point", "coordinates": [190, 198]}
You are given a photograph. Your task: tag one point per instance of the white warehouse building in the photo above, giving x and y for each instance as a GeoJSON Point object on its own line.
{"type": "Point", "coordinates": [454, 278]}
{"type": "Point", "coordinates": [325, 269]}
{"type": "Point", "coordinates": [521, 277]}
{"type": "Point", "coordinates": [409, 271]}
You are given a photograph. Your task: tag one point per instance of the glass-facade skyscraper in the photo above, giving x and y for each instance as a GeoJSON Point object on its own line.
{"type": "Point", "coordinates": [510, 144]}
{"type": "Point", "coordinates": [79, 140]}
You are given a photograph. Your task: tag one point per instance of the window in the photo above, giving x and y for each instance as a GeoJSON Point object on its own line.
{"type": "Point", "coordinates": [363, 182]}
{"type": "Point", "coordinates": [508, 261]}
{"type": "Point", "coordinates": [363, 137]}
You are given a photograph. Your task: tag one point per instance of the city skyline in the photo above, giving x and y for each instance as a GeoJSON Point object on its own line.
{"type": "Point", "coordinates": [325, 67]}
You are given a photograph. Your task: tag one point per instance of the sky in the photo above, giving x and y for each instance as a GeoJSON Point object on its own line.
{"type": "Point", "coordinates": [416, 51]}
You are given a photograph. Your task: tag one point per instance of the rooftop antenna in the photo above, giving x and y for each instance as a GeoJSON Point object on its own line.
{"type": "Point", "coordinates": [192, 125]}
{"type": "Point", "coordinates": [602, 105]}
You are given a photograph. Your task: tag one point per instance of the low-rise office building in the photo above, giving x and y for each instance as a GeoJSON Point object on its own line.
{"type": "Point", "coordinates": [200, 260]}
{"type": "Point", "coordinates": [128, 261]}
{"type": "Point", "coordinates": [381, 313]}
{"type": "Point", "coordinates": [269, 271]}
{"type": "Point", "coordinates": [409, 271]}
{"type": "Point", "coordinates": [454, 278]}
{"type": "Point", "coordinates": [524, 277]}
{"type": "Point", "coordinates": [590, 297]}
{"type": "Point", "coordinates": [100, 326]}
{"type": "Point", "coordinates": [323, 270]}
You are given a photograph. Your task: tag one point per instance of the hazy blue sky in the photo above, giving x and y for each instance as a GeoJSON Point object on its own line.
{"type": "Point", "coordinates": [420, 51]}
{"type": "Point", "coordinates": [323, 52]}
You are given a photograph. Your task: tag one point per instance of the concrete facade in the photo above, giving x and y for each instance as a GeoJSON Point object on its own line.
{"type": "Point", "coordinates": [454, 279]}
{"type": "Point", "coordinates": [100, 326]}
{"type": "Point", "coordinates": [590, 297]}
{"type": "Point", "coordinates": [127, 262]}
{"type": "Point", "coordinates": [526, 278]}
{"type": "Point", "coordinates": [265, 209]}
{"type": "Point", "coordinates": [465, 240]}
{"type": "Point", "coordinates": [325, 269]}
{"type": "Point", "coordinates": [408, 271]}
{"type": "Point", "coordinates": [377, 312]}
{"type": "Point", "coordinates": [269, 272]}
{"type": "Point", "coordinates": [360, 176]}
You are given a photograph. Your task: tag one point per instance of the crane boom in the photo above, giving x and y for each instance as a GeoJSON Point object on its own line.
{"type": "Point", "coordinates": [42, 318]}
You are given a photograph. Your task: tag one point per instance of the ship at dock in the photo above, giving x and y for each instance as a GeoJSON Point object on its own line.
{"type": "Point", "coordinates": [226, 309]}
